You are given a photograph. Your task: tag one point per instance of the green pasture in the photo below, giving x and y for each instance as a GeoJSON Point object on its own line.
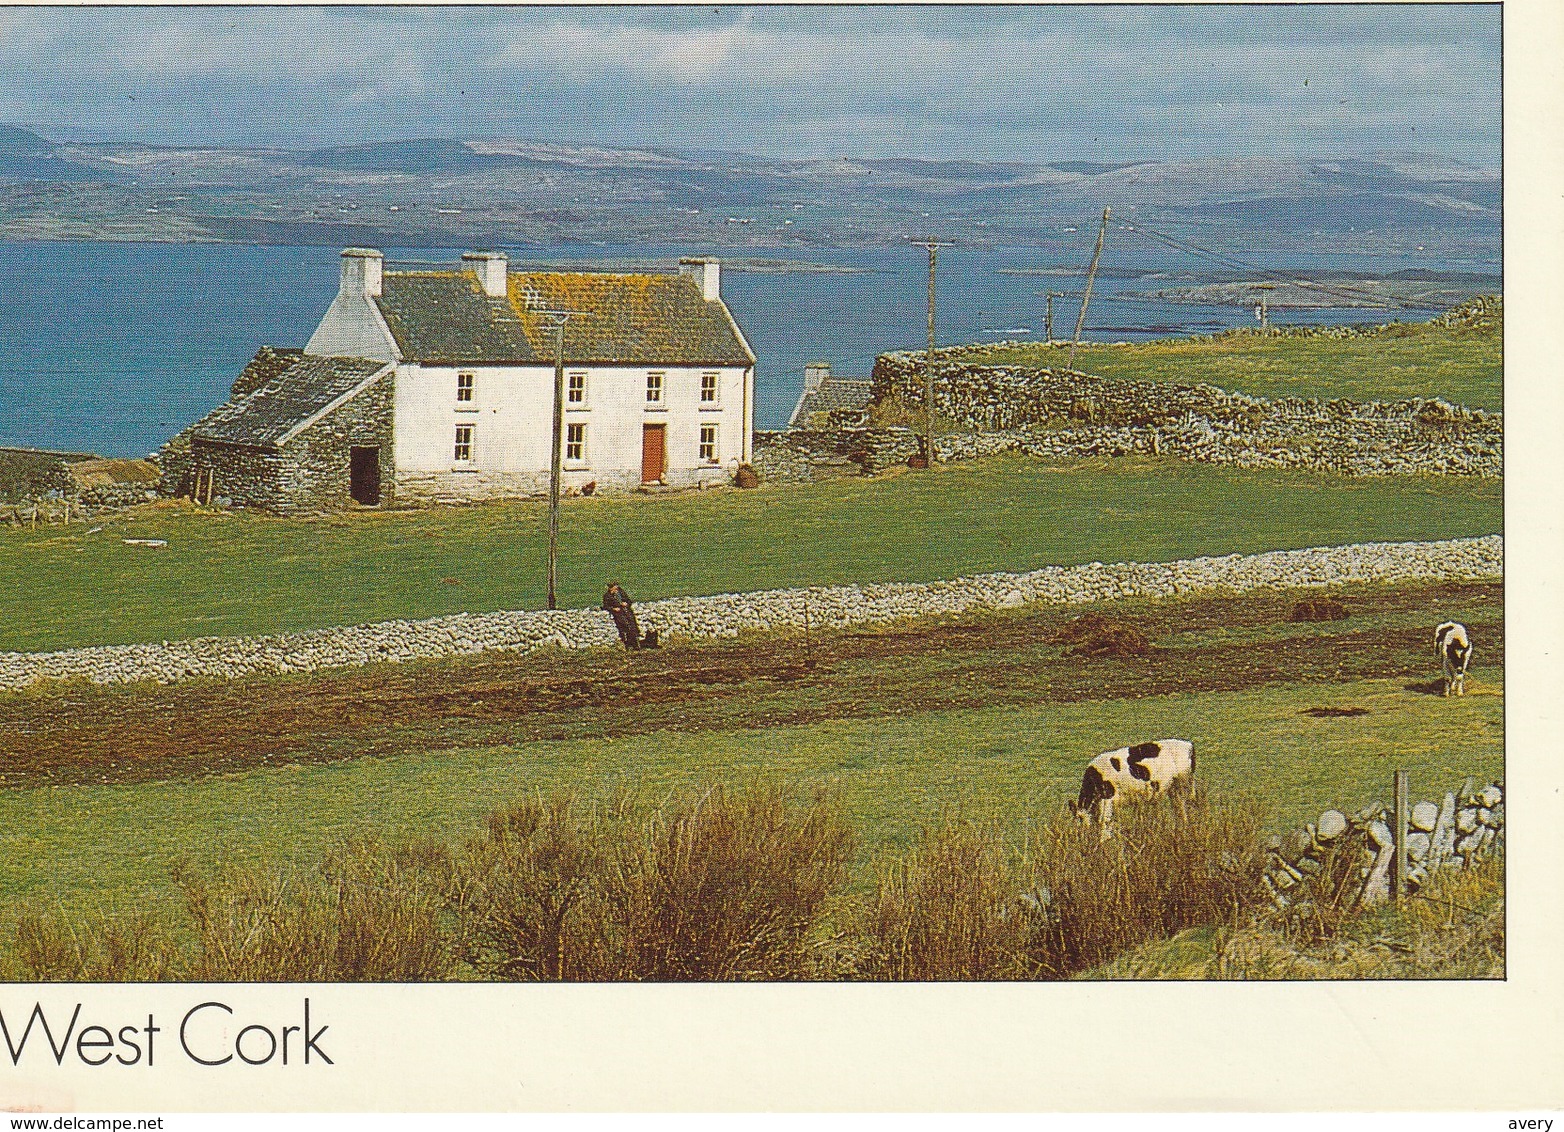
{"type": "Point", "coordinates": [1461, 365]}
{"type": "Point", "coordinates": [113, 846]}
{"type": "Point", "coordinates": [224, 574]}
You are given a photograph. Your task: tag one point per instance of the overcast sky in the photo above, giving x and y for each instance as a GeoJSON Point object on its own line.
{"type": "Point", "coordinates": [1040, 83]}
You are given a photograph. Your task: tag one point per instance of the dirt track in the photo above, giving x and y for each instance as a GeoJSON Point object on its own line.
{"type": "Point", "coordinates": [150, 732]}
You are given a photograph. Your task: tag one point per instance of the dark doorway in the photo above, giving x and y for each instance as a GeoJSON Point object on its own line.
{"type": "Point", "coordinates": [364, 475]}
{"type": "Point", "coordinates": [653, 452]}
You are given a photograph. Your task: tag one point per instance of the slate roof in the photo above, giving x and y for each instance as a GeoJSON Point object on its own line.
{"type": "Point", "coordinates": [629, 319]}
{"type": "Point", "coordinates": [444, 316]}
{"type": "Point", "coordinates": [268, 362]}
{"type": "Point", "coordinates": [290, 395]}
{"type": "Point", "coordinates": [836, 394]}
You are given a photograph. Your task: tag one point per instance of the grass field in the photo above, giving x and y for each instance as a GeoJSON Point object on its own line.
{"type": "Point", "coordinates": [115, 843]}
{"type": "Point", "coordinates": [1461, 365]}
{"type": "Point", "coordinates": [887, 732]}
{"type": "Point", "coordinates": [225, 574]}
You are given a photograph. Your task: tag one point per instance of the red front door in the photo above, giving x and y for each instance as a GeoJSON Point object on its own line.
{"type": "Point", "coordinates": [653, 452]}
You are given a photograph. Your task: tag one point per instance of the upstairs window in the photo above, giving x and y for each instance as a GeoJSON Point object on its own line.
{"type": "Point", "coordinates": [708, 450]}
{"type": "Point", "coordinates": [575, 443]}
{"type": "Point", "coordinates": [464, 387]}
{"type": "Point", "coordinates": [463, 444]}
{"type": "Point", "coordinates": [654, 389]}
{"type": "Point", "coordinates": [708, 389]}
{"type": "Point", "coordinates": [576, 388]}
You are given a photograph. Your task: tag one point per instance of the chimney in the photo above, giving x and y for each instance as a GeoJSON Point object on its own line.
{"type": "Point", "coordinates": [816, 374]}
{"type": "Point", "coordinates": [490, 268]}
{"type": "Point", "coordinates": [706, 272]}
{"type": "Point", "coordinates": [361, 271]}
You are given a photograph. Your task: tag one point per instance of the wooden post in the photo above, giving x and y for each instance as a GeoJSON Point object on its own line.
{"type": "Point", "coordinates": [557, 320]}
{"type": "Point", "coordinates": [556, 458]}
{"type": "Point", "coordinates": [1398, 875]}
{"type": "Point", "coordinates": [933, 247]}
{"type": "Point", "coordinates": [1091, 276]}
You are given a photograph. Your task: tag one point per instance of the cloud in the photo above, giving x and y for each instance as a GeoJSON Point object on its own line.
{"type": "Point", "coordinates": [786, 81]}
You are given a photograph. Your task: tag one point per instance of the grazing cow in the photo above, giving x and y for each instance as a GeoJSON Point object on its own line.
{"type": "Point", "coordinates": [1146, 770]}
{"type": "Point", "coordinates": [1455, 655]}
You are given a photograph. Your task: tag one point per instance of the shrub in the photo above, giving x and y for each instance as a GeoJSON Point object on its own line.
{"type": "Point", "coordinates": [948, 910]}
{"type": "Point", "coordinates": [728, 886]}
{"type": "Point", "coordinates": [369, 913]}
{"type": "Point", "coordinates": [528, 892]}
{"type": "Point", "coordinates": [722, 887]}
{"type": "Point", "coordinates": [1159, 873]}
{"type": "Point", "coordinates": [52, 945]}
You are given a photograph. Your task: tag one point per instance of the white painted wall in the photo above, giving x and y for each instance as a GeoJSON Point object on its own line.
{"type": "Point", "coordinates": [352, 328]}
{"type": "Point", "coordinates": [511, 415]}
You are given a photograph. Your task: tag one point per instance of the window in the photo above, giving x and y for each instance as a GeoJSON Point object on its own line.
{"type": "Point", "coordinates": [708, 389]}
{"type": "Point", "coordinates": [708, 444]}
{"type": "Point", "coordinates": [464, 387]}
{"type": "Point", "coordinates": [575, 442]}
{"type": "Point", "coordinates": [576, 388]}
{"type": "Point", "coordinates": [654, 389]}
{"type": "Point", "coordinates": [463, 444]}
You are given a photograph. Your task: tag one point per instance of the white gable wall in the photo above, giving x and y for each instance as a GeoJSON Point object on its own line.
{"type": "Point", "coordinates": [353, 328]}
{"type": "Point", "coordinates": [511, 417]}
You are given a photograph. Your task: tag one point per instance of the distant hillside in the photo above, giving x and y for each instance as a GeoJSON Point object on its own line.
{"type": "Point", "coordinates": [515, 191]}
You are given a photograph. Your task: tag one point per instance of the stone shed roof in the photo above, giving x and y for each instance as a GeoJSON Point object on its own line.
{"type": "Point", "coordinates": [630, 319]}
{"type": "Point", "coordinates": [289, 398]}
{"type": "Point", "coordinates": [836, 394]}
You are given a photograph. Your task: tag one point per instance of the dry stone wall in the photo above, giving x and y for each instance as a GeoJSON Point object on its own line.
{"type": "Point", "coordinates": [1342, 861]}
{"type": "Point", "coordinates": [727, 615]}
{"type": "Point", "coordinates": [803, 455]}
{"type": "Point", "coordinates": [1071, 415]}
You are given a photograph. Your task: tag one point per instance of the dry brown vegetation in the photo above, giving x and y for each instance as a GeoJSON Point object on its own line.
{"type": "Point", "coordinates": [747, 885]}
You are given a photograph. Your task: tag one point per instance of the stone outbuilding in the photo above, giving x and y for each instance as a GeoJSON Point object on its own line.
{"type": "Point", "coordinates": [299, 433]}
{"type": "Point", "coordinates": [829, 401]}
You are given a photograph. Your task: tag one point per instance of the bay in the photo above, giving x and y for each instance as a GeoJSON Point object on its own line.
{"type": "Point", "coordinates": [113, 347]}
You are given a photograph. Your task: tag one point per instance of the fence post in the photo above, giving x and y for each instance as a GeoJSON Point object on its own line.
{"type": "Point", "coordinates": [1398, 883]}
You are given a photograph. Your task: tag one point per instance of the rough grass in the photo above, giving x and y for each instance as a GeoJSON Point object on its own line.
{"type": "Point", "coordinates": [82, 846]}
{"type": "Point", "coordinates": [239, 574]}
{"type": "Point", "coordinates": [1459, 364]}
{"type": "Point", "coordinates": [1454, 929]}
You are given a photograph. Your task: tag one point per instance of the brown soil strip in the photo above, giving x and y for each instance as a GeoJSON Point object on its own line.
{"type": "Point", "coordinates": [147, 732]}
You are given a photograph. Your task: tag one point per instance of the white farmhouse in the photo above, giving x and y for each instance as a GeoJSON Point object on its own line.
{"type": "Point", "coordinates": [438, 383]}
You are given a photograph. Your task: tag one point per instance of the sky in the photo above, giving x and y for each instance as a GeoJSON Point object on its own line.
{"type": "Point", "coordinates": [1092, 83]}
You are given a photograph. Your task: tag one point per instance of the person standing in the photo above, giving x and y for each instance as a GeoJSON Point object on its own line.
{"type": "Point", "coordinates": [617, 603]}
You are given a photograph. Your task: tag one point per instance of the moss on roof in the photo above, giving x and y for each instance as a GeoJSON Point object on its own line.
{"type": "Point", "coordinates": [625, 318]}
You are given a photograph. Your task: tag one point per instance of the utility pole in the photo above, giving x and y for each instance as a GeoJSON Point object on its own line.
{"type": "Point", "coordinates": [557, 320]}
{"type": "Point", "coordinates": [1087, 297]}
{"type": "Point", "coordinates": [928, 366]}
{"type": "Point", "coordinates": [1048, 319]}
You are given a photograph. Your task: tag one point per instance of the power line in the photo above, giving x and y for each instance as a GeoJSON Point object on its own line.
{"type": "Point", "coordinates": [1337, 290]}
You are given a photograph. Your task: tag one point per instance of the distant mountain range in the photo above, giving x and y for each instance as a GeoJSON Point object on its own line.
{"type": "Point", "coordinates": [444, 192]}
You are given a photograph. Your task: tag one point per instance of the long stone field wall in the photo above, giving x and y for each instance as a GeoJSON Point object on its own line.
{"type": "Point", "coordinates": [727, 615]}
{"type": "Point", "coordinates": [1071, 415]}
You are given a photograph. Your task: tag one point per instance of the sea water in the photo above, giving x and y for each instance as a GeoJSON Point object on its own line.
{"type": "Point", "coordinates": [114, 347]}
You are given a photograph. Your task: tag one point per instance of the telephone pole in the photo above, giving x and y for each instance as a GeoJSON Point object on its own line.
{"type": "Point", "coordinates": [1263, 311]}
{"type": "Point", "coordinates": [557, 320]}
{"type": "Point", "coordinates": [1087, 297]}
{"type": "Point", "coordinates": [1048, 318]}
{"type": "Point", "coordinates": [928, 366]}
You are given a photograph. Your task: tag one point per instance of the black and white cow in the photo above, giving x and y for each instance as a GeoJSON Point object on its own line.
{"type": "Point", "coordinates": [1455, 655]}
{"type": "Point", "coordinates": [1133, 774]}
